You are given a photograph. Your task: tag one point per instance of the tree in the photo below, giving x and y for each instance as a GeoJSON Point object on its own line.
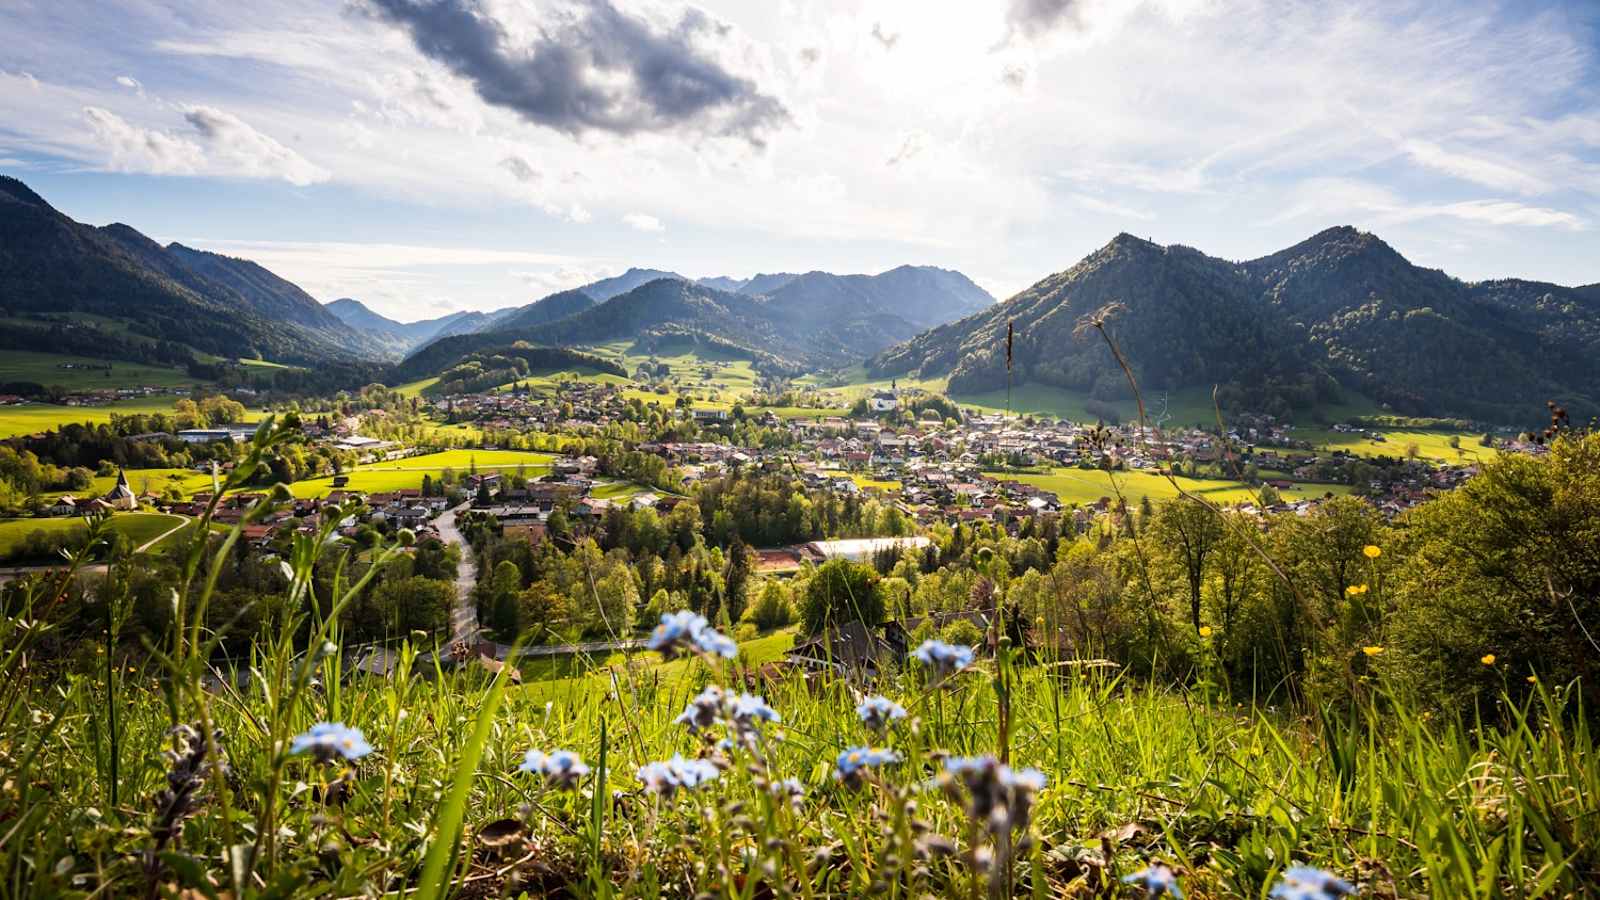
{"type": "Point", "coordinates": [772, 609]}
{"type": "Point", "coordinates": [839, 592]}
{"type": "Point", "coordinates": [1508, 564]}
{"type": "Point", "coordinates": [414, 604]}
{"type": "Point", "coordinates": [1189, 531]}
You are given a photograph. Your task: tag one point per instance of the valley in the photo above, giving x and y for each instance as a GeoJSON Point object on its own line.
{"type": "Point", "coordinates": [557, 523]}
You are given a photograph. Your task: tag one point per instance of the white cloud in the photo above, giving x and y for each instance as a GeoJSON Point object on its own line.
{"type": "Point", "coordinates": [249, 153]}
{"type": "Point", "coordinates": [643, 222]}
{"type": "Point", "coordinates": [130, 148]}
{"type": "Point", "coordinates": [1474, 169]}
{"type": "Point", "coordinates": [131, 83]}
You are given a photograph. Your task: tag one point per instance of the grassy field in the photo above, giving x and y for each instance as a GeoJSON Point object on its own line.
{"type": "Point", "coordinates": [1431, 445]}
{"type": "Point", "coordinates": [407, 473]}
{"type": "Point", "coordinates": [548, 681]}
{"type": "Point", "coordinates": [1083, 486]}
{"type": "Point", "coordinates": [415, 388]}
{"type": "Point", "coordinates": [47, 369]}
{"type": "Point", "coordinates": [1229, 797]}
{"type": "Point", "coordinates": [34, 417]}
{"type": "Point", "coordinates": [139, 527]}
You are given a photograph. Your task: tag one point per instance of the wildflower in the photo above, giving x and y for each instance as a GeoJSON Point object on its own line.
{"type": "Point", "coordinates": [1372, 650]}
{"type": "Point", "coordinates": [1356, 590]}
{"type": "Point", "coordinates": [665, 778]}
{"type": "Point", "coordinates": [1205, 631]}
{"type": "Point", "coordinates": [563, 769]}
{"type": "Point", "coordinates": [789, 789]}
{"type": "Point", "coordinates": [747, 711]}
{"type": "Point", "coordinates": [1307, 883]}
{"type": "Point", "coordinates": [327, 740]}
{"type": "Point", "coordinates": [1157, 880]}
{"type": "Point", "coordinates": [1372, 551]}
{"type": "Point", "coordinates": [186, 774]}
{"type": "Point", "coordinates": [853, 762]}
{"type": "Point", "coordinates": [1533, 679]}
{"type": "Point", "coordinates": [878, 711]}
{"type": "Point", "coordinates": [996, 794]}
{"type": "Point", "coordinates": [1488, 659]}
{"type": "Point", "coordinates": [687, 631]}
{"type": "Point", "coordinates": [944, 659]}
{"type": "Point", "coordinates": [702, 711]}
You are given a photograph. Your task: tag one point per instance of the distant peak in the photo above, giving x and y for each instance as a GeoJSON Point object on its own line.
{"type": "Point", "coordinates": [18, 191]}
{"type": "Point", "coordinates": [1126, 241]}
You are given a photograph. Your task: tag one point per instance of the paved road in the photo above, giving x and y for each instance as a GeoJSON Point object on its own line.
{"type": "Point", "coordinates": [464, 616]}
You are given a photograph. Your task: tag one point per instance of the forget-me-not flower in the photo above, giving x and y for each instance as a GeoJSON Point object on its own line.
{"type": "Point", "coordinates": [327, 740]}
{"type": "Point", "coordinates": [944, 659]}
{"type": "Point", "coordinates": [878, 711]}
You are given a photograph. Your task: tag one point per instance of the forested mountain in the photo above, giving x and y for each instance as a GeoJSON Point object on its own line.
{"type": "Point", "coordinates": [1339, 310]}
{"type": "Point", "coordinates": [50, 265]}
{"type": "Point", "coordinates": [549, 309]}
{"type": "Point", "coordinates": [606, 288]}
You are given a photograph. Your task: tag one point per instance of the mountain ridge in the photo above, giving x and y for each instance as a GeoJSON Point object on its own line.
{"type": "Point", "coordinates": [1339, 311]}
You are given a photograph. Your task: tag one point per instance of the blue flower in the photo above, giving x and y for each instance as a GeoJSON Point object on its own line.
{"type": "Point", "coordinates": [712, 642]}
{"type": "Point", "coordinates": [877, 712]}
{"type": "Point", "coordinates": [853, 762]}
{"type": "Point", "coordinates": [676, 630]}
{"type": "Point", "coordinates": [790, 788]}
{"type": "Point", "coordinates": [665, 778]}
{"type": "Point", "coordinates": [997, 795]}
{"type": "Point", "coordinates": [562, 769]}
{"type": "Point", "coordinates": [688, 631]}
{"type": "Point", "coordinates": [703, 710]}
{"type": "Point", "coordinates": [1307, 883]}
{"type": "Point", "coordinates": [1157, 880]}
{"type": "Point", "coordinates": [944, 659]}
{"type": "Point", "coordinates": [748, 711]}
{"type": "Point", "coordinates": [327, 740]}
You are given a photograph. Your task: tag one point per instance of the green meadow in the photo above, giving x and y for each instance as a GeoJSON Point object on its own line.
{"type": "Point", "coordinates": [138, 527]}
{"type": "Point", "coordinates": [1084, 486]}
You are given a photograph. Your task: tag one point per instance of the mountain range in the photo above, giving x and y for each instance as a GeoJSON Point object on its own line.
{"type": "Point", "coordinates": [1340, 311]}
{"type": "Point", "coordinates": [51, 265]}
{"type": "Point", "coordinates": [787, 322]}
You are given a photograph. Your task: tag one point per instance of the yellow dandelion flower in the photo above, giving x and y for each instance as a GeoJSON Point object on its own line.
{"type": "Point", "coordinates": [1205, 631]}
{"type": "Point", "coordinates": [1372, 650]}
{"type": "Point", "coordinates": [1373, 551]}
{"type": "Point", "coordinates": [1488, 659]}
{"type": "Point", "coordinates": [1533, 679]}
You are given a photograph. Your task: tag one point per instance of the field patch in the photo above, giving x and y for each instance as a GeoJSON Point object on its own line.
{"type": "Point", "coordinates": [1085, 486]}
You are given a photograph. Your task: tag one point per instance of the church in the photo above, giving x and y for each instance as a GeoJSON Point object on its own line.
{"type": "Point", "coordinates": [121, 496]}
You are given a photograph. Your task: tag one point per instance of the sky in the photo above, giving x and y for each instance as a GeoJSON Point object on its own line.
{"type": "Point", "coordinates": [428, 156]}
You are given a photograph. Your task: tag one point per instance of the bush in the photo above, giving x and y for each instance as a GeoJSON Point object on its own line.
{"type": "Point", "coordinates": [841, 591]}
{"type": "Point", "coordinates": [962, 632]}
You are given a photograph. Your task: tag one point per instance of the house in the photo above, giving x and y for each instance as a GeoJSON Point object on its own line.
{"type": "Point", "coordinates": [850, 649]}
{"type": "Point", "coordinates": [64, 506]}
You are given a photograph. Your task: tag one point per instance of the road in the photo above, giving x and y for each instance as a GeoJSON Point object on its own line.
{"type": "Point", "coordinates": [464, 615]}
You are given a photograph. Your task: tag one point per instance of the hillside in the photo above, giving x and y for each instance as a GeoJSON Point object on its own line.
{"type": "Point", "coordinates": [50, 265]}
{"type": "Point", "coordinates": [1341, 309]}
{"type": "Point", "coordinates": [548, 309]}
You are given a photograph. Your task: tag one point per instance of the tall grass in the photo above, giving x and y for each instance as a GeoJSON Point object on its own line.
{"type": "Point", "coordinates": [1399, 799]}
